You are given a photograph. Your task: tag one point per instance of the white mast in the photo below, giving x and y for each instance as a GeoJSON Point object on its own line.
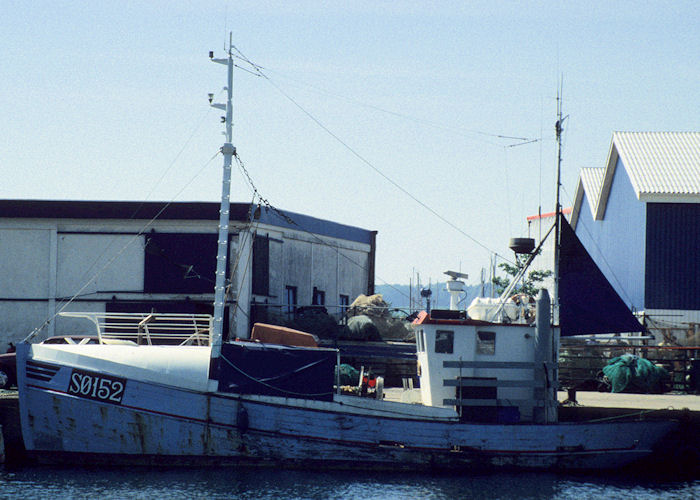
{"type": "Point", "coordinates": [221, 257]}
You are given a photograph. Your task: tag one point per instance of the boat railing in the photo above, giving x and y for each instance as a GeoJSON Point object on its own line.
{"type": "Point", "coordinates": [150, 328]}
{"type": "Point", "coordinates": [581, 365]}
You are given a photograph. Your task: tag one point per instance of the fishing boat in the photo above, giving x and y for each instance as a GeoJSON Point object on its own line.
{"type": "Point", "coordinates": [487, 383]}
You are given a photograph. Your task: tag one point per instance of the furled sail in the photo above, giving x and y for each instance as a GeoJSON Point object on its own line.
{"type": "Point", "coordinates": [588, 303]}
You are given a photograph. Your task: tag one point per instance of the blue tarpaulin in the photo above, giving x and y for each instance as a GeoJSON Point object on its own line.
{"type": "Point", "coordinates": [277, 370]}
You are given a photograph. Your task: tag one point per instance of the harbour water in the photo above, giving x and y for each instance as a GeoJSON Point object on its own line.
{"type": "Point", "coordinates": [43, 482]}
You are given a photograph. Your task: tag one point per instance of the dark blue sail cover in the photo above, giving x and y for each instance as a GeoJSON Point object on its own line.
{"type": "Point", "coordinates": [588, 303]}
{"type": "Point", "coordinates": [277, 370]}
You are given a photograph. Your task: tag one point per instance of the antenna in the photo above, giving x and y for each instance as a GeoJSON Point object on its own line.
{"type": "Point", "coordinates": [557, 208]}
{"type": "Point", "coordinates": [426, 293]}
{"type": "Point", "coordinates": [455, 287]}
{"type": "Point", "coordinates": [456, 275]}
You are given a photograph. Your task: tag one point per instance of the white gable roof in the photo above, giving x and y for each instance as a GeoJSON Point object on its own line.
{"type": "Point", "coordinates": [661, 163]}
{"type": "Point", "coordinates": [590, 182]}
{"type": "Point", "coordinates": [661, 166]}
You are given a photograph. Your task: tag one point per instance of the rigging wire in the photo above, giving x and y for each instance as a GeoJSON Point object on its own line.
{"type": "Point", "coordinates": [257, 71]}
{"type": "Point", "coordinates": [289, 220]}
{"type": "Point", "coordinates": [66, 303]}
{"type": "Point", "coordinates": [179, 153]}
{"type": "Point", "coordinates": [150, 193]}
{"type": "Point", "coordinates": [242, 244]}
{"type": "Point", "coordinates": [460, 131]}
{"type": "Point", "coordinates": [539, 180]}
{"type": "Point", "coordinates": [284, 391]}
{"type": "Point", "coordinates": [601, 254]}
{"type": "Point", "coordinates": [528, 141]}
{"type": "Point", "coordinates": [611, 270]}
{"type": "Point", "coordinates": [373, 167]}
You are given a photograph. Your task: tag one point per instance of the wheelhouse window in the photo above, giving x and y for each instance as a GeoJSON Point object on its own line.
{"type": "Point", "coordinates": [444, 341]}
{"type": "Point", "coordinates": [420, 341]}
{"type": "Point", "coordinates": [485, 342]}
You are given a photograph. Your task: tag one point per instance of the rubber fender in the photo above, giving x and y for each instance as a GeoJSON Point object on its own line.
{"type": "Point", "coordinates": [242, 419]}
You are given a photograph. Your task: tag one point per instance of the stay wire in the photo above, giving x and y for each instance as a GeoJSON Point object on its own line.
{"type": "Point", "coordinates": [155, 185]}
{"type": "Point", "coordinates": [65, 304]}
{"type": "Point", "coordinates": [259, 71]}
{"type": "Point", "coordinates": [270, 386]}
{"type": "Point", "coordinates": [289, 220]}
{"type": "Point", "coordinates": [459, 131]}
{"type": "Point", "coordinates": [593, 241]}
{"type": "Point", "coordinates": [242, 244]}
{"type": "Point", "coordinates": [382, 174]}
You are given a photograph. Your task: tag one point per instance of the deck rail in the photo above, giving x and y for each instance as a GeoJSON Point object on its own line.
{"type": "Point", "coordinates": [150, 328]}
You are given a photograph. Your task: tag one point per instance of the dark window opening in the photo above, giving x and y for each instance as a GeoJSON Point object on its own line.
{"type": "Point", "coordinates": [290, 300]}
{"type": "Point", "coordinates": [180, 263]}
{"type": "Point", "coordinates": [344, 303]}
{"type": "Point", "coordinates": [318, 298]}
{"type": "Point", "coordinates": [465, 389]}
{"type": "Point", "coordinates": [481, 388]}
{"type": "Point", "coordinates": [261, 265]}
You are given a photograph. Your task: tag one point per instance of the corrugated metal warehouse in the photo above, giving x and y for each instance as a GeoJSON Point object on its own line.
{"type": "Point", "coordinates": [107, 256]}
{"type": "Point", "coordinates": [639, 218]}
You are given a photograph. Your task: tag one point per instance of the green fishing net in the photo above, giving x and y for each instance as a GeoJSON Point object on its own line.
{"type": "Point", "coordinates": [348, 375]}
{"type": "Point", "coordinates": [630, 373]}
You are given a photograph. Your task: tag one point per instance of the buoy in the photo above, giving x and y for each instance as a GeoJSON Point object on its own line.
{"type": "Point", "coordinates": [379, 394]}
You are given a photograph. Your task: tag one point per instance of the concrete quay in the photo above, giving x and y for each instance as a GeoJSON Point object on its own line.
{"type": "Point", "coordinates": [635, 401]}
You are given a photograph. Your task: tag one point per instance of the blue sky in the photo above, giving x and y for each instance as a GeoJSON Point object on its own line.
{"type": "Point", "coordinates": [107, 100]}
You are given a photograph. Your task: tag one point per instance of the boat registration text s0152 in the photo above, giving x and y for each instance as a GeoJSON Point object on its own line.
{"type": "Point", "coordinates": [96, 386]}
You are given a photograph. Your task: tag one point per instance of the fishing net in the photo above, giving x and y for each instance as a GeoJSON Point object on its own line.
{"type": "Point", "coordinates": [630, 373]}
{"type": "Point", "coordinates": [348, 375]}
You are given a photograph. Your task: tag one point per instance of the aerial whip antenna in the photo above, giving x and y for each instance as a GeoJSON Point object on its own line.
{"type": "Point", "coordinates": [558, 127]}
